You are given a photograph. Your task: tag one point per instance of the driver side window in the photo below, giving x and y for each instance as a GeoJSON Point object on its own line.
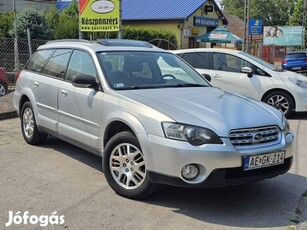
{"type": "Point", "coordinates": [227, 62]}
{"type": "Point", "coordinates": [81, 63]}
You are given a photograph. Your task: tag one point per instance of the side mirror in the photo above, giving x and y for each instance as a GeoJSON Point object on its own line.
{"type": "Point", "coordinates": [207, 76]}
{"type": "Point", "coordinates": [83, 81]}
{"type": "Point", "coordinates": [248, 71]}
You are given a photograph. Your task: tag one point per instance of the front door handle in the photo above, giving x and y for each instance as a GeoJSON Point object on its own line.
{"type": "Point", "coordinates": [217, 76]}
{"type": "Point", "coordinates": [64, 93]}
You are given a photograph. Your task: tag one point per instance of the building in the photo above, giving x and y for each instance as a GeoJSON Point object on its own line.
{"type": "Point", "coordinates": [185, 18]}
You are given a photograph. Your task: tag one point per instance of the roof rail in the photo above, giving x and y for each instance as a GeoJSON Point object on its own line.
{"type": "Point", "coordinates": [71, 40]}
{"type": "Point", "coordinates": [124, 42]}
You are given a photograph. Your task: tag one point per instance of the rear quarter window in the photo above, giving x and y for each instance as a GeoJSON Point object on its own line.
{"type": "Point", "coordinates": [39, 59]}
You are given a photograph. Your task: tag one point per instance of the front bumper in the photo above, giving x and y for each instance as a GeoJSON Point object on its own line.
{"type": "Point", "coordinates": [220, 165]}
{"type": "Point", "coordinates": [226, 177]}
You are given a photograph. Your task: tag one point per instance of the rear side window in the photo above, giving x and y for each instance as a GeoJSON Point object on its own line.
{"type": "Point", "coordinates": [39, 60]}
{"type": "Point", "coordinates": [296, 55]}
{"type": "Point", "coordinates": [197, 60]}
{"type": "Point", "coordinates": [57, 64]}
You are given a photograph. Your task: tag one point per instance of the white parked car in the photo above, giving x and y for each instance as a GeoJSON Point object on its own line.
{"type": "Point", "coordinates": [151, 117]}
{"type": "Point", "coordinates": [250, 76]}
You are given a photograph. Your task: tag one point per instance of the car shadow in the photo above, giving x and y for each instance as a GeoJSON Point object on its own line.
{"type": "Point", "coordinates": [267, 204]}
{"type": "Point", "coordinates": [298, 116]}
{"type": "Point", "coordinates": [74, 152]}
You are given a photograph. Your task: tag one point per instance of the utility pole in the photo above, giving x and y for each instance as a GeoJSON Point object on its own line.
{"type": "Point", "coordinates": [16, 38]}
{"type": "Point", "coordinates": [246, 23]}
{"type": "Point", "coordinates": [120, 32]}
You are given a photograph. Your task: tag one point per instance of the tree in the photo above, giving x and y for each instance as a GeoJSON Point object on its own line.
{"type": "Point", "coordinates": [6, 24]}
{"type": "Point", "coordinates": [272, 12]}
{"type": "Point", "coordinates": [53, 19]}
{"type": "Point", "coordinates": [34, 20]}
{"type": "Point", "coordinates": [66, 25]}
{"type": "Point", "coordinates": [297, 17]}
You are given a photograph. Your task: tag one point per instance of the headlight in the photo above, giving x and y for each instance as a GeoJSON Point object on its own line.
{"type": "Point", "coordinates": [286, 125]}
{"type": "Point", "coordinates": [194, 135]}
{"type": "Point", "coordinates": [299, 83]}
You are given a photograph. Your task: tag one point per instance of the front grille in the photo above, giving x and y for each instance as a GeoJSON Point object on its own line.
{"type": "Point", "coordinates": [254, 136]}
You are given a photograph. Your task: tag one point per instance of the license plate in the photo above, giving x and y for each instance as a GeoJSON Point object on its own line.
{"type": "Point", "coordinates": [296, 68]}
{"type": "Point", "coordinates": [265, 160]}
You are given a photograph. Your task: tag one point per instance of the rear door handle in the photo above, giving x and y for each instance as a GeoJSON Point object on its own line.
{"type": "Point", "coordinates": [64, 93]}
{"type": "Point", "coordinates": [217, 76]}
{"type": "Point", "coordinates": [36, 84]}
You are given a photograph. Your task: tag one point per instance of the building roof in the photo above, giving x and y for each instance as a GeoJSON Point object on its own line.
{"type": "Point", "coordinates": [163, 9]}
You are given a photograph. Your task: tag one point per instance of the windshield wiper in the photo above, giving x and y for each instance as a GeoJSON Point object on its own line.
{"type": "Point", "coordinates": [188, 85]}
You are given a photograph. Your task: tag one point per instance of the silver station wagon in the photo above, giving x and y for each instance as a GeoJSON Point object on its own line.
{"type": "Point", "coordinates": [150, 116]}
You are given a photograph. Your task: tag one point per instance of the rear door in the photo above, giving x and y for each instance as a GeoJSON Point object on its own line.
{"type": "Point", "coordinates": [47, 70]}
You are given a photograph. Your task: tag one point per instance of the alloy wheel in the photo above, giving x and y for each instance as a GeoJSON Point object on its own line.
{"type": "Point", "coordinates": [127, 166]}
{"type": "Point", "coordinates": [28, 122]}
{"type": "Point", "coordinates": [279, 102]}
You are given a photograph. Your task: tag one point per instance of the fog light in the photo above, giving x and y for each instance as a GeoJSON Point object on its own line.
{"type": "Point", "coordinates": [189, 172]}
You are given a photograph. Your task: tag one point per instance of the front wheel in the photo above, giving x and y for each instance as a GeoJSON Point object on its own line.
{"type": "Point", "coordinates": [281, 101]}
{"type": "Point", "coordinates": [29, 129]}
{"type": "Point", "coordinates": [124, 167]}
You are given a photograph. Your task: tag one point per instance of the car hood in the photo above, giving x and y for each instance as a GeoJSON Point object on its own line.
{"type": "Point", "coordinates": [293, 75]}
{"type": "Point", "coordinates": [208, 107]}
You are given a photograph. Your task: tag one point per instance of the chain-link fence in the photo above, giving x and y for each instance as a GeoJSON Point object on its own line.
{"type": "Point", "coordinates": [13, 58]}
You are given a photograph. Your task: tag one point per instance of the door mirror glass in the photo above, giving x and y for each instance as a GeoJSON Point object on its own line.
{"type": "Point", "coordinates": [84, 81]}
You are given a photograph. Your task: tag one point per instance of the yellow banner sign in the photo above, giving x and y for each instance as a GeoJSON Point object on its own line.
{"type": "Point", "coordinates": [99, 15]}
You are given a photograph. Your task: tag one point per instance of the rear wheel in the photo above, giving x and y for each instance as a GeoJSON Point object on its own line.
{"type": "Point", "coordinates": [281, 101]}
{"type": "Point", "coordinates": [125, 168]}
{"type": "Point", "coordinates": [29, 129]}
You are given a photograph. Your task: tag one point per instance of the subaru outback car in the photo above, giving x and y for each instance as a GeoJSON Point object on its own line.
{"type": "Point", "coordinates": [150, 116]}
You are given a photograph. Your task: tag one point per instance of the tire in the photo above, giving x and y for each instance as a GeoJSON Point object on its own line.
{"type": "Point", "coordinates": [3, 89]}
{"type": "Point", "coordinates": [281, 101]}
{"type": "Point", "coordinates": [29, 129]}
{"type": "Point", "coordinates": [124, 167]}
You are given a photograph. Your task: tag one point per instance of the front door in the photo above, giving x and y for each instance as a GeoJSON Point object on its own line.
{"type": "Point", "coordinates": [80, 108]}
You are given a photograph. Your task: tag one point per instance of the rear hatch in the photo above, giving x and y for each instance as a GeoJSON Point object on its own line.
{"type": "Point", "coordinates": [295, 59]}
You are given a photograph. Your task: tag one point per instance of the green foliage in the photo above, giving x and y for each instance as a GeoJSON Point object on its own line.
{"type": "Point", "coordinates": [297, 16]}
{"type": "Point", "coordinates": [53, 19]}
{"type": "Point", "coordinates": [272, 12]}
{"type": "Point", "coordinates": [34, 20]}
{"type": "Point", "coordinates": [6, 24]}
{"type": "Point", "coordinates": [65, 25]}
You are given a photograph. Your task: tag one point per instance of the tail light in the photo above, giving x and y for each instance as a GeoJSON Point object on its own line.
{"type": "Point", "coordinates": [17, 75]}
{"type": "Point", "coordinates": [284, 61]}
{"type": "Point", "coordinates": [306, 59]}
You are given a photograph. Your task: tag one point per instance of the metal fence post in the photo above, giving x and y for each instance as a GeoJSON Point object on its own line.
{"type": "Point", "coordinates": [29, 41]}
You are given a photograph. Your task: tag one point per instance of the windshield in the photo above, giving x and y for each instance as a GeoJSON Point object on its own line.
{"type": "Point", "coordinates": [260, 61]}
{"type": "Point", "coordinates": [140, 70]}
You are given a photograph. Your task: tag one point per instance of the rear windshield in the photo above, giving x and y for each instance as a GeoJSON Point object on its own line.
{"type": "Point", "coordinates": [296, 55]}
